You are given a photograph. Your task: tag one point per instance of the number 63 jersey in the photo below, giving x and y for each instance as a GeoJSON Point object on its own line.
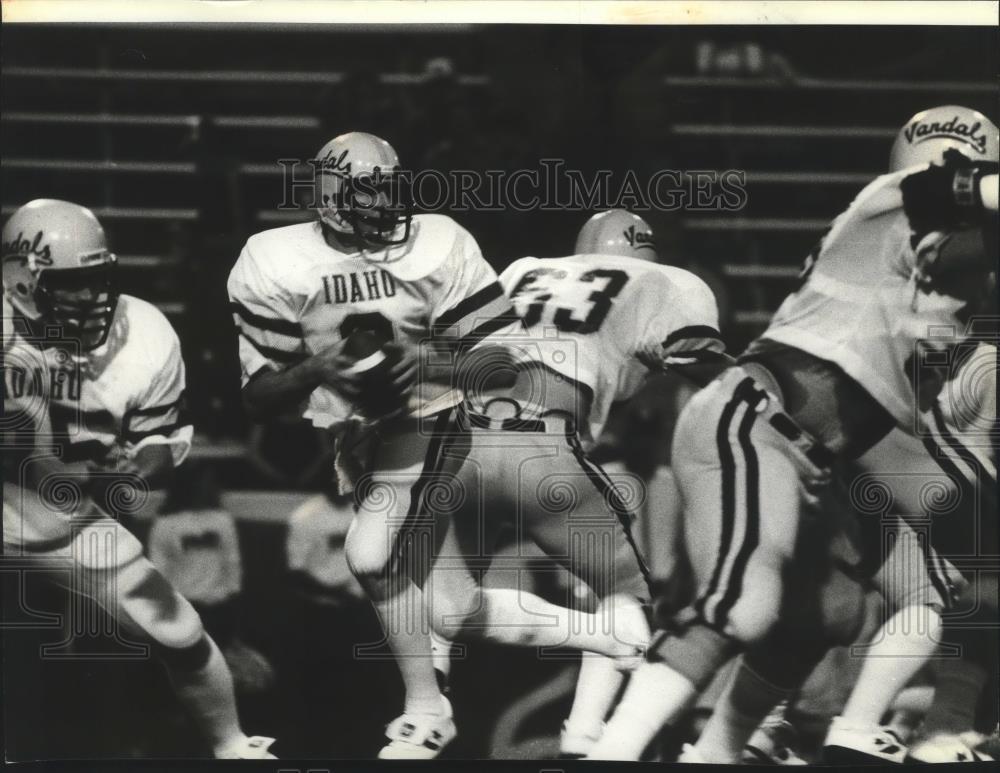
{"type": "Point", "coordinates": [606, 321]}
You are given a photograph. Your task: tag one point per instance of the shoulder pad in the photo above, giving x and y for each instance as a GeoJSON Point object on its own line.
{"type": "Point", "coordinates": [434, 238]}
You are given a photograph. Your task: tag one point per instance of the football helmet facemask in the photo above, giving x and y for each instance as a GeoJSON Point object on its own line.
{"type": "Point", "coordinates": [57, 270]}
{"type": "Point", "coordinates": [361, 190]}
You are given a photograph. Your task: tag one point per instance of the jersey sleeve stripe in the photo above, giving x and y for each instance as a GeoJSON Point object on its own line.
{"type": "Point", "coordinates": [691, 332]}
{"type": "Point", "coordinates": [498, 307]}
{"type": "Point", "coordinates": [491, 326]}
{"type": "Point", "coordinates": [156, 410]}
{"type": "Point", "coordinates": [270, 324]}
{"type": "Point", "coordinates": [713, 351]}
{"type": "Point", "coordinates": [135, 436]}
{"type": "Point", "coordinates": [467, 306]}
{"type": "Point", "coordinates": [281, 356]}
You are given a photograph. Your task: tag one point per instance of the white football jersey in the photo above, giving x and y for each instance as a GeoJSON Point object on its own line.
{"type": "Point", "coordinates": [605, 321]}
{"type": "Point", "coordinates": [860, 306]}
{"type": "Point", "coordinates": [95, 407]}
{"type": "Point", "coordinates": [293, 295]}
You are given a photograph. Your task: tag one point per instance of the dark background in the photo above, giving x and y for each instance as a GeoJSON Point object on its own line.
{"type": "Point", "coordinates": [171, 134]}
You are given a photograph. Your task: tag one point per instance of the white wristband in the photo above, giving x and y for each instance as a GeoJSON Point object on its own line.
{"type": "Point", "coordinates": [988, 191]}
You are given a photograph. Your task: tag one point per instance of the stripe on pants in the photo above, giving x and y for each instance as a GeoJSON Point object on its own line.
{"type": "Point", "coordinates": [740, 507]}
{"type": "Point", "coordinates": [728, 501]}
{"type": "Point", "coordinates": [432, 465]}
{"type": "Point", "coordinates": [751, 530]}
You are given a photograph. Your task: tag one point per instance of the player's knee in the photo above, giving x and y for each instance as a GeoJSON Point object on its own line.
{"type": "Point", "coordinates": [366, 555]}
{"type": "Point", "coordinates": [179, 630]}
{"type": "Point", "coordinates": [192, 657]}
{"type": "Point", "coordinates": [751, 624]}
{"type": "Point", "coordinates": [159, 611]}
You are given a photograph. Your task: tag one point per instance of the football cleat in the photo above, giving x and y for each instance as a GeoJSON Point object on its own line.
{"type": "Point", "coordinates": [419, 736]}
{"type": "Point", "coordinates": [254, 747]}
{"type": "Point", "coordinates": [575, 743]}
{"type": "Point", "coordinates": [774, 742]}
{"type": "Point", "coordinates": [947, 747]}
{"type": "Point", "coordinates": [848, 744]}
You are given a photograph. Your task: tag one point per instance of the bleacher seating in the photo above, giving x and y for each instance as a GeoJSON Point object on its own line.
{"type": "Point", "coordinates": [175, 146]}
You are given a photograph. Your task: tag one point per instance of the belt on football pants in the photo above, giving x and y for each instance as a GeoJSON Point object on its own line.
{"type": "Point", "coordinates": [769, 407]}
{"type": "Point", "coordinates": [528, 417]}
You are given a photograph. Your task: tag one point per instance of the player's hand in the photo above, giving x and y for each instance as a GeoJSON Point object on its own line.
{"type": "Point", "coordinates": [942, 197]}
{"type": "Point", "coordinates": [403, 373]}
{"type": "Point", "coordinates": [332, 368]}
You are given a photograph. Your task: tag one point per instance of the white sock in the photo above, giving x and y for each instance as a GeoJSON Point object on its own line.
{"type": "Point", "coordinates": [406, 629]}
{"type": "Point", "coordinates": [441, 656]}
{"type": "Point", "coordinates": [208, 697]}
{"type": "Point", "coordinates": [899, 649]}
{"type": "Point", "coordinates": [523, 619]}
{"type": "Point", "coordinates": [596, 688]}
{"type": "Point", "coordinates": [743, 705]}
{"type": "Point", "coordinates": [656, 695]}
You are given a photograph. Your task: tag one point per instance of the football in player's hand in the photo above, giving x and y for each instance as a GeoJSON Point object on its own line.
{"type": "Point", "coordinates": [376, 365]}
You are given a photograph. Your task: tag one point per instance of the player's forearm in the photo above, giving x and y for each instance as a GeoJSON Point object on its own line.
{"type": "Point", "coordinates": [272, 392]}
{"type": "Point", "coordinates": [150, 469]}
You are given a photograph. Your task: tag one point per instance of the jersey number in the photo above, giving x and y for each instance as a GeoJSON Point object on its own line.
{"type": "Point", "coordinates": [61, 418]}
{"type": "Point", "coordinates": [371, 321]}
{"type": "Point", "coordinates": [600, 301]}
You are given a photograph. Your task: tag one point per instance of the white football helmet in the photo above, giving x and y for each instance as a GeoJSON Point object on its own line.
{"type": "Point", "coordinates": [57, 269]}
{"type": "Point", "coordinates": [616, 232]}
{"type": "Point", "coordinates": [926, 137]}
{"type": "Point", "coordinates": [361, 191]}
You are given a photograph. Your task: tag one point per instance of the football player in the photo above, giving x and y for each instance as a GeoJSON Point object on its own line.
{"type": "Point", "coordinates": [615, 232]}
{"type": "Point", "coordinates": [93, 381]}
{"type": "Point", "coordinates": [949, 476]}
{"type": "Point", "coordinates": [598, 323]}
{"type": "Point", "coordinates": [906, 475]}
{"type": "Point", "coordinates": [963, 707]}
{"type": "Point", "coordinates": [899, 477]}
{"type": "Point", "coordinates": [332, 316]}
{"type": "Point", "coordinates": [831, 376]}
